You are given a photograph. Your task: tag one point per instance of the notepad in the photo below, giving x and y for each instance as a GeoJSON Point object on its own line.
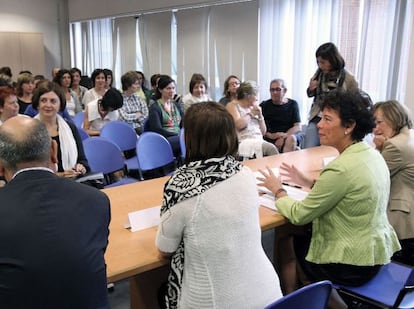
{"type": "Point", "coordinates": [143, 219]}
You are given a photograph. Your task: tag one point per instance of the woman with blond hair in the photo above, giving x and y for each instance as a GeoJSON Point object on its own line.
{"type": "Point", "coordinates": [394, 138]}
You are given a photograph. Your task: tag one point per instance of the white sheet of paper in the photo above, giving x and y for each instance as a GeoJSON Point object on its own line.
{"type": "Point", "coordinates": [326, 160]}
{"type": "Point", "coordinates": [143, 219]}
{"type": "Point", "coordinates": [257, 174]}
{"type": "Point", "coordinates": [268, 201]}
{"type": "Point", "coordinates": [295, 193]}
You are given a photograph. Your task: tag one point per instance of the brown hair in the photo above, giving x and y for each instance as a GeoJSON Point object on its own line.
{"type": "Point", "coordinates": [209, 132]}
{"type": "Point", "coordinates": [5, 92]}
{"type": "Point", "coordinates": [45, 87]}
{"type": "Point", "coordinates": [197, 79]}
{"type": "Point", "coordinates": [23, 78]}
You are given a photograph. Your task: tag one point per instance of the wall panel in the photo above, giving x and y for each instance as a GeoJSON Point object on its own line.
{"type": "Point", "coordinates": [22, 51]}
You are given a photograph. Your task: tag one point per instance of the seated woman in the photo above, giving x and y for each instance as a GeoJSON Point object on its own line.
{"type": "Point", "coordinates": [250, 124]}
{"type": "Point", "coordinates": [165, 114]}
{"type": "Point", "coordinates": [217, 257]}
{"type": "Point", "coordinates": [98, 78]}
{"type": "Point", "coordinates": [49, 99]}
{"type": "Point", "coordinates": [394, 138]}
{"type": "Point", "coordinates": [142, 90]}
{"type": "Point", "coordinates": [230, 89]}
{"type": "Point", "coordinates": [101, 111]}
{"type": "Point", "coordinates": [351, 235]}
{"type": "Point", "coordinates": [31, 111]}
{"type": "Point", "coordinates": [64, 79]}
{"type": "Point", "coordinates": [8, 103]}
{"type": "Point", "coordinates": [198, 91]}
{"type": "Point", "coordinates": [24, 88]}
{"type": "Point", "coordinates": [135, 110]}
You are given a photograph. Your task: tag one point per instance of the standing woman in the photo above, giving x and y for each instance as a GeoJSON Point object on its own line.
{"type": "Point", "coordinates": [330, 75]}
{"type": "Point", "coordinates": [165, 114]}
{"type": "Point", "coordinates": [25, 86]}
{"type": "Point", "coordinates": [76, 86]}
{"type": "Point", "coordinates": [8, 103]}
{"type": "Point", "coordinates": [230, 89]}
{"type": "Point", "coordinates": [99, 87]}
{"type": "Point", "coordinates": [217, 256]}
{"type": "Point", "coordinates": [64, 79]}
{"type": "Point", "coordinates": [49, 99]}
{"type": "Point", "coordinates": [394, 138]}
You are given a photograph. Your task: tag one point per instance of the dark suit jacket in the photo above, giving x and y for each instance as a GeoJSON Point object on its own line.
{"type": "Point", "coordinates": [53, 236]}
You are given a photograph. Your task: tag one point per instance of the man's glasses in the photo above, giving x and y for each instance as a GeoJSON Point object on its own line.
{"type": "Point", "coordinates": [277, 89]}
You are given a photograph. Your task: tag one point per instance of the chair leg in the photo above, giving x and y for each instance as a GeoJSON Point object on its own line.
{"type": "Point", "coordinates": [141, 177]}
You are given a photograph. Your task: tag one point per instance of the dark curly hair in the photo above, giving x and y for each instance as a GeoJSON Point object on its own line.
{"type": "Point", "coordinates": [352, 107]}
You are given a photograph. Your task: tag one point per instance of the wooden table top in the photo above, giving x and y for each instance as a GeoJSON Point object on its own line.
{"type": "Point", "coordinates": [131, 253]}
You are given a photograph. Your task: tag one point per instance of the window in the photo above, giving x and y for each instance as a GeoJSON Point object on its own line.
{"type": "Point", "coordinates": [255, 40]}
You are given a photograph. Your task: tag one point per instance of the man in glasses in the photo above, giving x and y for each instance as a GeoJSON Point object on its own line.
{"type": "Point", "coordinates": [282, 118]}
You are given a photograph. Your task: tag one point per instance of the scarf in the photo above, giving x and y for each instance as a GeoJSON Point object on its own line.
{"type": "Point", "coordinates": [188, 181]}
{"type": "Point", "coordinates": [67, 142]}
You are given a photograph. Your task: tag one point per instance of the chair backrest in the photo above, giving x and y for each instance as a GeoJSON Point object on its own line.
{"type": "Point", "coordinates": [78, 119]}
{"type": "Point", "coordinates": [83, 134]}
{"type": "Point", "coordinates": [121, 134]}
{"type": "Point", "coordinates": [103, 155]}
{"type": "Point", "coordinates": [182, 143]}
{"type": "Point", "coordinates": [153, 151]}
{"type": "Point", "coordinates": [312, 296]}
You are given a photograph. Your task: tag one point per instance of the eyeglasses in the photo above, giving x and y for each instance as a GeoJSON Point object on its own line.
{"type": "Point", "coordinates": [277, 89]}
{"type": "Point", "coordinates": [234, 83]}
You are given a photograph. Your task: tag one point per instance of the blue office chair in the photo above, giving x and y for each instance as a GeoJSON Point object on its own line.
{"type": "Point", "coordinates": [83, 134]}
{"type": "Point", "coordinates": [125, 137]}
{"type": "Point", "coordinates": [78, 119]}
{"type": "Point", "coordinates": [106, 157]}
{"type": "Point", "coordinates": [153, 151]}
{"type": "Point", "coordinates": [312, 296]}
{"type": "Point", "coordinates": [390, 288]}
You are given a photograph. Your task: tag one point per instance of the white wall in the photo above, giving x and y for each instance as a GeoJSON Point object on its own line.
{"type": "Point", "coordinates": [49, 17]}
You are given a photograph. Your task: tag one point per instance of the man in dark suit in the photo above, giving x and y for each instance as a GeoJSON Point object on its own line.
{"type": "Point", "coordinates": [53, 231]}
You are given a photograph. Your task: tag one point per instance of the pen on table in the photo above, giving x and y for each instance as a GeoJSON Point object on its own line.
{"type": "Point", "coordinates": [289, 185]}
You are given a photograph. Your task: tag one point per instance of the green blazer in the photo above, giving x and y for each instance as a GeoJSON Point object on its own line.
{"type": "Point", "coordinates": [348, 210]}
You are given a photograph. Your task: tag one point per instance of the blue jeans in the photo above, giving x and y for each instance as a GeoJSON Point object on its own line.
{"type": "Point", "coordinates": [312, 134]}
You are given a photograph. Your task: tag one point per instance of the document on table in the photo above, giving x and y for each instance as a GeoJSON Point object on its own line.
{"type": "Point", "coordinates": [267, 198]}
{"type": "Point", "coordinates": [143, 219]}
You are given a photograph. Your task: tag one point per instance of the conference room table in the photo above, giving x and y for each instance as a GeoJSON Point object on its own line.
{"type": "Point", "coordinates": [134, 256]}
